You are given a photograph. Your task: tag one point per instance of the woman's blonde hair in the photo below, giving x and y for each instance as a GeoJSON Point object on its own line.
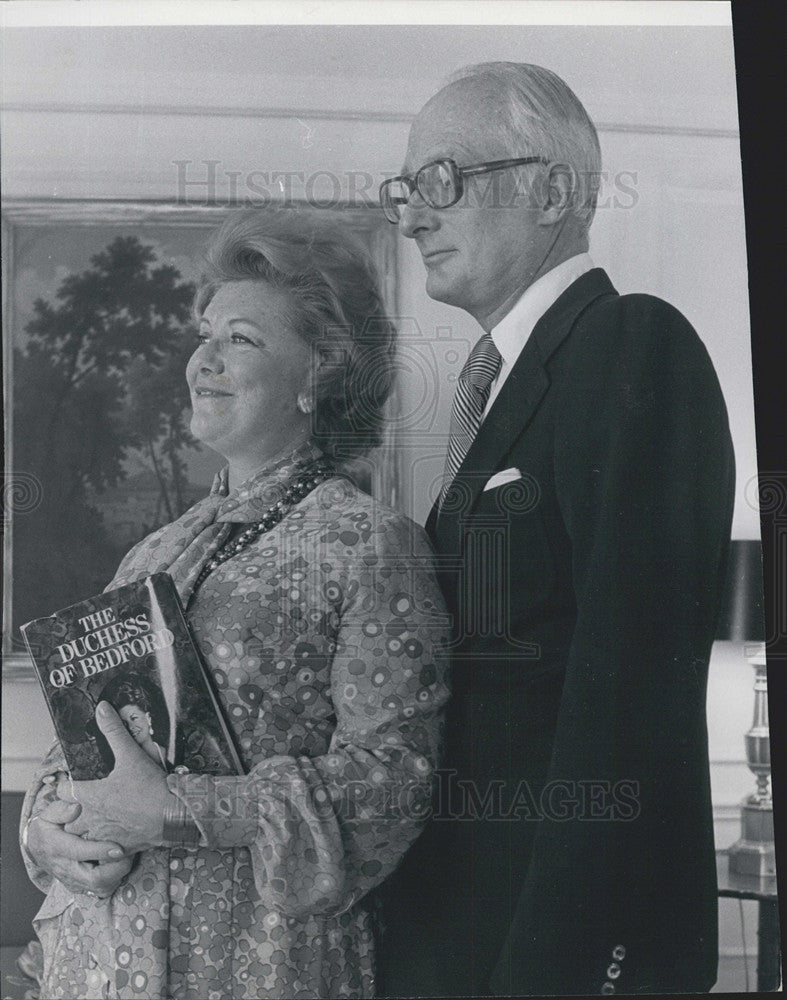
{"type": "Point", "coordinates": [335, 306]}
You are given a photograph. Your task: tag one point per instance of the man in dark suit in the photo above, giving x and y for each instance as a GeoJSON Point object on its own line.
{"type": "Point", "coordinates": [582, 529]}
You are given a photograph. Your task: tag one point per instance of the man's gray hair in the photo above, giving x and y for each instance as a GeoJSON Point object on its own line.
{"type": "Point", "coordinates": [542, 116]}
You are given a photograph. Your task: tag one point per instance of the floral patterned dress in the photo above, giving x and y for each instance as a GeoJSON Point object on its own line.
{"type": "Point", "coordinates": [325, 641]}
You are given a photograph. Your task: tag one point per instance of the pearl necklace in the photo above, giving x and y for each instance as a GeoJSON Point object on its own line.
{"type": "Point", "coordinates": [294, 492]}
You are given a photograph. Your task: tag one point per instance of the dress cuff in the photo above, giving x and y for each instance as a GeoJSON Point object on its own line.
{"type": "Point", "coordinates": [224, 813]}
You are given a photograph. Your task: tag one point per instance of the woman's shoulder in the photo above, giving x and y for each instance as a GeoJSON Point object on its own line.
{"type": "Point", "coordinates": [378, 553]}
{"type": "Point", "coordinates": [162, 542]}
{"type": "Point", "coordinates": [348, 514]}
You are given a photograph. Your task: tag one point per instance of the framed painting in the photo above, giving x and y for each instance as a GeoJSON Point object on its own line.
{"type": "Point", "coordinates": [97, 315]}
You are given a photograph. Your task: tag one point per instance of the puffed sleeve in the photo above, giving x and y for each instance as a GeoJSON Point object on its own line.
{"type": "Point", "coordinates": [324, 831]}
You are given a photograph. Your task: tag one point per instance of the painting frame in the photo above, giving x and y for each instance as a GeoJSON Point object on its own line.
{"type": "Point", "coordinates": [367, 224]}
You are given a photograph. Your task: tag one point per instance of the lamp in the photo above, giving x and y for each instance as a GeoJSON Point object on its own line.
{"type": "Point", "coordinates": [742, 620]}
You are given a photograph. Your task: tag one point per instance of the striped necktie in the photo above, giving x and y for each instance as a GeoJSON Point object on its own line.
{"type": "Point", "coordinates": [470, 398]}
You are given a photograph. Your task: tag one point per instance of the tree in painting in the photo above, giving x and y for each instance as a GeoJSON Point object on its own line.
{"type": "Point", "coordinates": [100, 378]}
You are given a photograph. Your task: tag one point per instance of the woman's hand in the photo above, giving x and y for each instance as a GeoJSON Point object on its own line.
{"type": "Point", "coordinates": [128, 805]}
{"type": "Point", "coordinates": [86, 866]}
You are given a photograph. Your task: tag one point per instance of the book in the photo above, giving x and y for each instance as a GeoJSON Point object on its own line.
{"type": "Point", "coordinates": [132, 648]}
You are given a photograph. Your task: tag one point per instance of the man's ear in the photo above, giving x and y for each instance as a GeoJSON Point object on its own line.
{"type": "Point", "coordinates": [558, 190]}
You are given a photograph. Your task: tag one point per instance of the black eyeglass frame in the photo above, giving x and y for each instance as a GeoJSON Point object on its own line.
{"type": "Point", "coordinates": [458, 174]}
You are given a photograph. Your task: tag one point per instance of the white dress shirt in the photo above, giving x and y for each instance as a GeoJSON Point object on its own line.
{"type": "Point", "coordinates": [512, 332]}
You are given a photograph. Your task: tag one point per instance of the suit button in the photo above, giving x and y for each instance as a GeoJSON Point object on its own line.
{"type": "Point", "coordinates": [618, 952]}
{"type": "Point", "coordinates": [181, 769]}
{"type": "Point", "coordinates": [613, 971]}
{"type": "Point", "coordinates": [607, 989]}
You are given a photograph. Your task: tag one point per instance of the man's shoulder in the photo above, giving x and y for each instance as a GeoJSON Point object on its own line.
{"type": "Point", "coordinates": [623, 340]}
{"type": "Point", "coordinates": [633, 323]}
{"type": "Point", "coordinates": [640, 310]}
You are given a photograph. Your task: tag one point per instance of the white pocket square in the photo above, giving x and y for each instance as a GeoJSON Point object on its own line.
{"type": "Point", "coordinates": [501, 478]}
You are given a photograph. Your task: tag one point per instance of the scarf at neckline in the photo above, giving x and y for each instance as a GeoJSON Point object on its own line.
{"type": "Point", "coordinates": [182, 547]}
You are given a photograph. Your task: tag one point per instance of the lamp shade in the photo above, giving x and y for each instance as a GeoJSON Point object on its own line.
{"type": "Point", "coordinates": [742, 614]}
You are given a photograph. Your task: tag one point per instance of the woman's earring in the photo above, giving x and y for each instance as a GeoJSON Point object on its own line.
{"type": "Point", "coordinates": [305, 403]}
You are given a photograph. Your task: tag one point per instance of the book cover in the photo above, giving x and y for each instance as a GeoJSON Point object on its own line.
{"type": "Point", "coordinates": [131, 647]}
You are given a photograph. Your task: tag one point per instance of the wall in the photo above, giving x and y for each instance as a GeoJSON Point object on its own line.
{"type": "Point", "coordinates": [111, 112]}
{"type": "Point", "coordinates": [105, 114]}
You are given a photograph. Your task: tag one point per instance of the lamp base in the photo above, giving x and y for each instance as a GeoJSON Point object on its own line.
{"type": "Point", "coordinates": [754, 853]}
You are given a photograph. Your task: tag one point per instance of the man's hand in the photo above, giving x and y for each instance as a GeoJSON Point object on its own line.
{"type": "Point", "coordinates": [85, 866]}
{"type": "Point", "coordinates": [128, 805]}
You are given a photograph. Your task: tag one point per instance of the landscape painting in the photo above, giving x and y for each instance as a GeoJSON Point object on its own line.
{"type": "Point", "coordinates": [98, 449]}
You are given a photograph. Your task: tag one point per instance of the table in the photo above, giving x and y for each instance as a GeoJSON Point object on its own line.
{"type": "Point", "coordinates": [734, 886]}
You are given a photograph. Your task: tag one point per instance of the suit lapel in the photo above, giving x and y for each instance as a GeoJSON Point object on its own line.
{"type": "Point", "coordinates": [515, 405]}
{"type": "Point", "coordinates": [431, 521]}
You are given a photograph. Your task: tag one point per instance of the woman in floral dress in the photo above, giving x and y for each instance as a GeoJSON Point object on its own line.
{"type": "Point", "coordinates": [318, 614]}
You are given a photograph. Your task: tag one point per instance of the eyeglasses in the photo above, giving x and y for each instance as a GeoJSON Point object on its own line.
{"type": "Point", "coordinates": [440, 184]}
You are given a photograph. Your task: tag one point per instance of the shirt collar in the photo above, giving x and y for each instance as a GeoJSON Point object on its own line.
{"type": "Point", "coordinates": [513, 330]}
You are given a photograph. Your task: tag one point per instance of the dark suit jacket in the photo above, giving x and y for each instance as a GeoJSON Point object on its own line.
{"type": "Point", "coordinates": [572, 841]}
